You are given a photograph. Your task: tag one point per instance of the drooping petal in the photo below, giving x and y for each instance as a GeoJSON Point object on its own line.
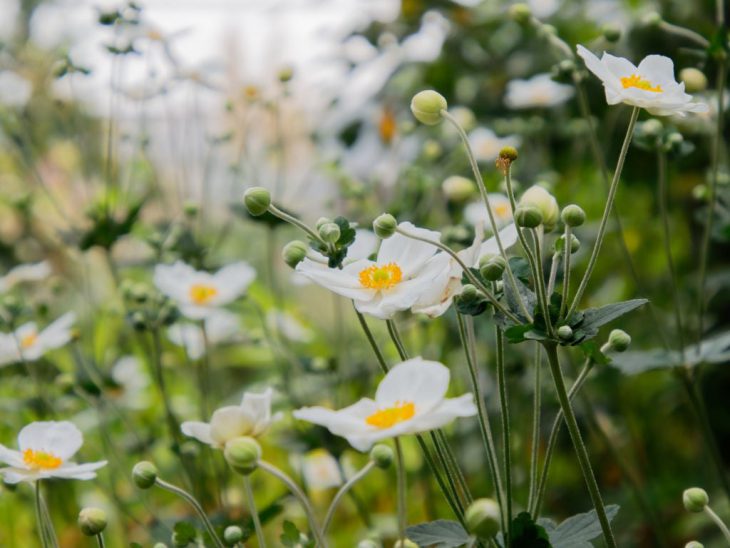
{"type": "Point", "coordinates": [258, 408]}
{"type": "Point", "coordinates": [228, 423]}
{"type": "Point", "coordinates": [441, 415]}
{"type": "Point", "coordinates": [344, 282]}
{"type": "Point", "coordinates": [11, 457]}
{"type": "Point", "coordinates": [57, 333]}
{"type": "Point", "coordinates": [59, 438]}
{"type": "Point", "coordinates": [198, 430]}
{"type": "Point", "coordinates": [174, 280]}
{"type": "Point", "coordinates": [84, 471]}
{"type": "Point", "coordinates": [188, 336]}
{"type": "Point", "coordinates": [419, 381]}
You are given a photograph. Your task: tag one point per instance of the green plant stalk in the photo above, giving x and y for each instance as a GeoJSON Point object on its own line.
{"type": "Point", "coordinates": [251, 502]}
{"type": "Point", "coordinates": [296, 222]}
{"type": "Point", "coordinates": [401, 478]}
{"type": "Point", "coordinates": [566, 271]}
{"type": "Point", "coordinates": [575, 435]}
{"type": "Point", "coordinates": [606, 212]}
{"type": "Point", "coordinates": [506, 450]}
{"type": "Point", "coordinates": [553, 272]}
{"type": "Point", "coordinates": [689, 34]}
{"type": "Point", "coordinates": [190, 499]}
{"type": "Point", "coordinates": [540, 280]}
{"type": "Point", "coordinates": [536, 409]}
{"type": "Point", "coordinates": [204, 373]}
{"type": "Point", "coordinates": [100, 541]}
{"type": "Point", "coordinates": [342, 492]}
{"type": "Point", "coordinates": [485, 199]}
{"type": "Point", "coordinates": [720, 524]}
{"type": "Point", "coordinates": [299, 494]}
{"type": "Point", "coordinates": [42, 527]}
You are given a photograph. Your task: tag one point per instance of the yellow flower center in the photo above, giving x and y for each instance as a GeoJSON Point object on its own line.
{"type": "Point", "coordinates": [38, 460]}
{"type": "Point", "coordinates": [636, 81]}
{"type": "Point", "coordinates": [29, 340]}
{"type": "Point", "coordinates": [387, 126]}
{"type": "Point", "coordinates": [385, 418]}
{"type": "Point", "coordinates": [502, 210]}
{"type": "Point", "coordinates": [202, 293]}
{"type": "Point", "coordinates": [381, 277]}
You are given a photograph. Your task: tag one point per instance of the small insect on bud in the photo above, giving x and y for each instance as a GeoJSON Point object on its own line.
{"type": "Point", "coordinates": [520, 13]}
{"type": "Point", "coordinates": [384, 226]}
{"type": "Point", "coordinates": [232, 535]}
{"type": "Point", "coordinates": [294, 253]}
{"type": "Point", "coordinates": [427, 105]}
{"type": "Point", "coordinates": [242, 454]}
{"type": "Point", "coordinates": [257, 200]}
{"type": "Point", "coordinates": [695, 499]}
{"type": "Point", "coordinates": [382, 456]}
{"type": "Point", "coordinates": [574, 244]}
{"type": "Point", "coordinates": [573, 215]}
{"type": "Point", "coordinates": [458, 189]}
{"type": "Point", "coordinates": [619, 340]}
{"type": "Point", "coordinates": [144, 474]}
{"type": "Point", "coordinates": [694, 80]}
{"type": "Point", "coordinates": [491, 267]}
{"type": "Point", "coordinates": [611, 33]}
{"type": "Point", "coordinates": [329, 232]}
{"type": "Point", "coordinates": [528, 217]}
{"type": "Point", "coordinates": [482, 518]}
{"type": "Point", "coordinates": [92, 521]}
{"type": "Point", "coordinates": [565, 332]}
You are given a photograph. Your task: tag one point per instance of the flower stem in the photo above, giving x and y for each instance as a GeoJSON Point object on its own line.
{"type": "Point", "coordinates": [575, 436]}
{"type": "Point", "coordinates": [342, 492]}
{"type": "Point", "coordinates": [374, 345]}
{"type": "Point", "coordinates": [39, 516]}
{"type": "Point", "coordinates": [606, 212]}
{"type": "Point", "coordinates": [714, 517]}
{"type": "Point", "coordinates": [536, 408]}
{"type": "Point", "coordinates": [100, 541]}
{"type": "Point", "coordinates": [566, 270]}
{"type": "Point", "coordinates": [251, 502]}
{"type": "Point", "coordinates": [506, 451]}
{"type": "Point", "coordinates": [296, 222]}
{"type": "Point", "coordinates": [401, 473]}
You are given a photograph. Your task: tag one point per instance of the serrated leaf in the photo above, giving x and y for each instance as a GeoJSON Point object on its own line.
{"type": "Point", "coordinates": [577, 531]}
{"type": "Point", "coordinates": [291, 535]}
{"type": "Point", "coordinates": [441, 533]}
{"type": "Point", "coordinates": [594, 318]}
{"type": "Point", "coordinates": [525, 294]}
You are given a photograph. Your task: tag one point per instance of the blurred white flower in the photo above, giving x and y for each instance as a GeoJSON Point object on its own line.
{"type": "Point", "coordinates": [33, 272]}
{"type": "Point", "coordinates": [198, 294]}
{"type": "Point", "coordinates": [475, 213]}
{"type": "Point", "coordinates": [410, 399]}
{"type": "Point", "coordinates": [486, 145]}
{"type": "Point", "coordinates": [251, 418]}
{"type": "Point", "coordinates": [539, 91]}
{"type": "Point", "coordinates": [220, 326]}
{"type": "Point", "coordinates": [14, 89]}
{"type": "Point", "coordinates": [26, 343]}
{"type": "Point", "coordinates": [393, 282]}
{"type": "Point", "coordinates": [288, 326]}
{"type": "Point", "coordinates": [542, 9]}
{"type": "Point", "coordinates": [320, 470]}
{"type": "Point", "coordinates": [651, 85]}
{"type": "Point", "coordinates": [132, 380]}
{"type": "Point", "coordinates": [44, 451]}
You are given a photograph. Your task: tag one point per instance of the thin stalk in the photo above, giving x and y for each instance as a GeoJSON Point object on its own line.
{"type": "Point", "coordinates": [689, 34]}
{"type": "Point", "coordinates": [373, 344]}
{"type": "Point", "coordinates": [204, 368]}
{"type": "Point", "coordinates": [606, 212]}
{"type": "Point", "coordinates": [342, 492]}
{"type": "Point", "coordinates": [296, 222]}
{"type": "Point", "coordinates": [401, 478]}
{"type": "Point", "coordinates": [575, 435]}
{"type": "Point", "coordinates": [50, 531]}
{"type": "Point", "coordinates": [251, 502]}
{"type": "Point", "coordinates": [42, 532]}
{"type": "Point", "coordinates": [506, 452]}
{"type": "Point", "coordinates": [540, 280]}
{"type": "Point", "coordinates": [536, 408]}
{"type": "Point", "coordinates": [714, 517]}
{"type": "Point", "coordinates": [299, 494]}
{"type": "Point", "coordinates": [566, 271]}
{"type": "Point", "coordinates": [554, 262]}
{"type": "Point", "coordinates": [100, 541]}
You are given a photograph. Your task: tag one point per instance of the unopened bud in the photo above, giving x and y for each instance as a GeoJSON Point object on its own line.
{"type": "Point", "coordinates": [384, 226]}
{"type": "Point", "coordinates": [482, 518]}
{"type": "Point", "coordinates": [694, 80]}
{"type": "Point", "coordinates": [695, 499]}
{"type": "Point", "coordinates": [242, 454]}
{"type": "Point", "coordinates": [382, 456]}
{"type": "Point", "coordinates": [92, 521]}
{"type": "Point", "coordinates": [520, 13]}
{"type": "Point", "coordinates": [457, 188]}
{"type": "Point", "coordinates": [528, 217]}
{"type": "Point", "coordinates": [294, 253]}
{"type": "Point", "coordinates": [652, 19]}
{"type": "Point", "coordinates": [322, 221]}
{"type": "Point", "coordinates": [574, 244]}
{"type": "Point", "coordinates": [611, 33]}
{"type": "Point", "coordinates": [573, 215]}
{"type": "Point", "coordinates": [565, 332]}
{"type": "Point", "coordinates": [144, 474]}
{"type": "Point", "coordinates": [694, 544]}
{"type": "Point", "coordinates": [537, 196]}
{"type": "Point", "coordinates": [232, 535]}
{"type": "Point", "coordinates": [405, 543]}
{"type": "Point", "coordinates": [257, 200]}
{"type": "Point", "coordinates": [427, 105]}
{"type": "Point", "coordinates": [329, 232]}
{"type": "Point", "coordinates": [491, 267]}
{"type": "Point", "coordinates": [619, 340]}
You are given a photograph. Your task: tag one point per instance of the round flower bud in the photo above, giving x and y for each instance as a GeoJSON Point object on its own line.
{"type": "Point", "coordinates": [491, 267]}
{"type": "Point", "coordinates": [92, 521]}
{"type": "Point", "coordinates": [619, 340]}
{"type": "Point", "coordinates": [573, 215]}
{"type": "Point", "coordinates": [329, 232]}
{"type": "Point", "coordinates": [652, 19]}
{"type": "Point", "coordinates": [382, 456]}
{"type": "Point", "coordinates": [427, 105]}
{"type": "Point", "coordinates": [242, 454]}
{"type": "Point", "coordinates": [384, 226]}
{"type": "Point", "coordinates": [257, 200]}
{"type": "Point", "coordinates": [482, 518]}
{"type": "Point", "coordinates": [611, 33]}
{"type": "Point", "coordinates": [695, 499]}
{"type": "Point", "coordinates": [565, 332]}
{"type": "Point", "coordinates": [521, 13]}
{"type": "Point", "coordinates": [652, 128]}
{"type": "Point", "coordinates": [574, 244]}
{"type": "Point", "coordinates": [405, 543]}
{"type": "Point", "coordinates": [528, 217]}
{"type": "Point", "coordinates": [285, 74]}
{"type": "Point", "coordinates": [232, 534]}
{"type": "Point", "coordinates": [457, 188]}
{"type": "Point", "coordinates": [144, 474]}
{"type": "Point", "coordinates": [139, 322]}
{"type": "Point", "coordinates": [322, 221]}
{"type": "Point", "coordinates": [294, 253]}
{"type": "Point", "coordinates": [508, 153]}
{"type": "Point", "coordinates": [537, 196]}
{"type": "Point", "coordinates": [694, 80]}
{"type": "Point", "coordinates": [694, 544]}
{"type": "Point", "coordinates": [190, 209]}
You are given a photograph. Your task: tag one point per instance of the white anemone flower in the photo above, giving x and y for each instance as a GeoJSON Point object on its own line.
{"type": "Point", "coordinates": [132, 380]}
{"type": "Point", "coordinates": [220, 326]}
{"type": "Point", "coordinates": [410, 399]}
{"type": "Point", "coordinates": [251, 418]}
{"type": "Point", "coordinates": [442, 291]}
{"type": "Point", "coordinates": [475, 213]}
{"type": "Point", "coordinates": [27, 343]}
{"type": "Point", "coordinates": [15, 91]}
{"type": "Point", "coordinates": [486, 145]}
{"type": "Point", "coordinates": [401, 273]}
{"type": "Point", "coordinates": [320, 470]}
{"type": "Point", "coordinates": [45, 450]}
{"type": "Point", "coordinates": [540, 91]}
{"type": "Point", "coordinates": [650, 86]}
{"type": "Point", "coordinates": [197, 293]}
{"type": "Point", "coordinates": [32, 272]}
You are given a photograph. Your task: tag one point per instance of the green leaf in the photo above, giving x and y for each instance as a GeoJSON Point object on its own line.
{"type": "Point", "coordinates": [525, 293]}
{"type": "Point", "coordinates": [593, 318]}
{"type": "Point", "coordinates": [184, 531]}
{"type": "Point", "coordinates": [441, 533]}
{"type": "Point", "coordinates": [528, 534]}
{"type": "Point", "coordinates": [520, 268]}
{"type": "Point", "coordinates": [577, 531]}
{"type": "Point", "coordinates": [593, 351]}
{"type": "Point", "coordinates": [292, 537]}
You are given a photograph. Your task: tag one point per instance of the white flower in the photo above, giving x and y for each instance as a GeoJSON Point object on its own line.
{"type": "Point", "coordinates": [28, 344]}
{"type": "Point", "coordinates": [251, 418]}
{"type": "Point", "coordinates": [486, 145]}
{"type": "Point", "coordinates": [14, 89]}
{"type": "Point", "coordinates": [220, 326]}
{"type": "Point", "coordinates": [44, 452]}
{"type": "Point", "coordinates": [543, 9]}
{"type": "Point", "coordinates": [651, 85]}
{"type": "Point", "coordinates": [127, 372]}
{"type": "Point", "coordinates": [320, 470]}
{"type": "Point", "coordinates": [539, 91]}
{"type": "Point", "coordinates": [198, 294]}
{"type": "Point", "coordinates": [476, 212]}
{"type": "Point", "coordinates": [442, 291]}
{"type": "Point", "coordinates": [410, 399]}
{"type": "Point", "coordinates": [32, 272]}
{"type": "Point", "coordinates": [393, 282]}
{"type": "Point", "coordinates": [288, 326]}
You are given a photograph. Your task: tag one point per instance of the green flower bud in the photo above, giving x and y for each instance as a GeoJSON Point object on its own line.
{"type": "Point", "coordinates": [285, 74]}
{"type": "Point", "coordinates": [694, 79]}
{"type": "Point", "coordinates": [92, 521]}
{"type": "Point", "coordinates": [695, 499]}
{"type": "Point", "coordinates": [694, 544]}
{"type": "Point", "coordinates": [294, 253]}
{"type": "Point", "coordinates": [369, 543]}
{"type": "Point", "coordinates": [651, 19]}
{"type": "Point", "coordinates": [405, 543]}
{"type": "Point", "coordinates": [257, 200]}
{"type": "Point", "coordinates": [573, 215]}
{"type": "Point", "coordinates": [574, 244]}
{"type": "Point", "coordinates": [190, 209]}
{"type": "Point", "coordinates": [482, 518]}
{"type": "Point", "coordinates": [491, 267]}
{"type": "Point", "coordinates": [384, 226]}
{"type": "Point", "coordinates": [611, 33]}
{"type": "Point", "coordinates": [536, 196]}
{"type": "Point", "coordinates": [619, 340]}
{"type": "Point", "coordinates": [322, 221]}
{"type": "Point", "coordinates": [566, 67]}
{"type": "Point", "coordinates": [457, 188]}
{"type": "Point", "coordinates": [652, 128]}
{"type": "Point", "coordinates": [232, 534]}
{"type": "Point", "coordinates": [427, 105]}
{"type": "Point", "coordinates": [144, 474]}
{"type": "Point", "coordinates": [242, 454]}
{"type": "Point", "coordinates": [520, 13]}
{"type": "Point", "coordinates": [565, 332]}
{"type": "Point", "coordinates": [508, 153]}
{"type": "Point", "coordinates": [139, 322]}
{"type": "Point", "coordinates": [382, 456]}
{"type": "Point", "coordinates": [528, 216]}
{"type": "Point", "coordinates": [329, 232]}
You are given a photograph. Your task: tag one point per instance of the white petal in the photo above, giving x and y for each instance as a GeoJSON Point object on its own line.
{"type": "Point", "coordinates": [508, 237]}
{"type": "Point", "coordinates": [444, 413]}
{"type": "Point", "coordinates": [345, 422]}
{"type": "Point", "coordinates": [593, 63]}
{"type": "Point", "coordinates": [188, 336]}
{"type": "Point", "coordinates": [344, 282]}
{"type": "Point", "coordinates": [231, 281]}
{"type": "Point", "coordinates": [417, 380]}
{"type": "Point", "coordinates": [221, 325]}
{"type": "Point", "coordinates": [16, 475]}
{"type": "Point", "coordinates": [61, 438]}
{"type": "Point", "coordinates": [11, 457]}
{"type": "Point", "coordinates": [258, 408]}
{"type": "Point", "coordinates": [58, 333]}
{"type": "Point", "coordinates": [198, 430]}
{"type": "Point", "coordinates": [174, 280]}
{"type": "Point", "coordinates": [365, 244]}
{"type": "Point", "coordinates": [409, 254]}
{"type": "Point", "coordinates": [84, 471]}
{"type": "Point", "coordinates": [228, 423]}
{"type": "Point", "coordinates": [658, 69]}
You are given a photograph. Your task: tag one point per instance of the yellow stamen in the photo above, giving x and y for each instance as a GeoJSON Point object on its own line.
{"type": "Point", "coordinates": [502, 210]}
{"type": "Point", "coordinates": [202, 293]}
{"type": "Point", "coordinates": [636, 81]}
{"type": "Point", "coordinates": [38, 460]}
{"type": "Point", "coordinates": [381, 277]}
{"type": "Point", "coordinates": [387, 126]}
{"type": "Point", "coordinates": [29, 340]}
{"type": "Point", "coordinates": [385, 418]}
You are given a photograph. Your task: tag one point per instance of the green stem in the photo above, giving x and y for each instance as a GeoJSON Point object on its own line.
{"type": "Point", "coordinates": [566, 271]}
{"type": "Point", "coordinates": [540, 280]}
{"type": "Point", "coordinates": [296, 222]}
{"type": "Point", "coordinates": [46, 517]}
{"type": "Point", "coordinates": [536, 408]}
{"type": "Point", "coordinates": [373, 344]}
{"type": "Point", "coordinates": [506, 451]}
{"type": "Point", "coordinates": [204, 370]}
{"type": "Point", "coordinates": [251, 502]}
{"type": "Point", "coordinates": [39, 516]}
{"type": "Point", "coordinates": [401, 473]}
{"type": "Point", "coordinates": [606, 212]}
{"type": "Point", "coordinates": [689, 34]}
{"type": "Point", "coordinates": [342, 492]}
{"type": "Point", "coordinates": [100, 541]}
{"type": "Point", "coordinates": [575, 435]}
{"type": "Point", "coordinates": [714, 517]}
